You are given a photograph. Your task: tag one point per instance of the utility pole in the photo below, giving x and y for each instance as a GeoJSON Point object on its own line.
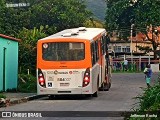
{"type": "Point", "coordinates": [131, 43]}
{"type": "Point", "coordinates": [154, 41]}
{"type": "Point", "coordinates": [149, 61]}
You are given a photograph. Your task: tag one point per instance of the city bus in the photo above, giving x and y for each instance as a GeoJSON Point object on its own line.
{"type": "Point", "coordinates": [73, 62]}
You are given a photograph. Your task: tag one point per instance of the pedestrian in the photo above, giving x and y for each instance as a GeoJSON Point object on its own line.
{"type": "Point", "coordinates": [119, 65]}
{"type": "Point", "coordinates": [148, 74]}
{"type": "Point", "coordinates": [125, 65]}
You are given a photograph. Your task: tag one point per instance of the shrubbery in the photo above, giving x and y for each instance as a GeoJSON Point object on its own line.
{"type": "Point", "coordinates": [27, 83]}
{"type": "Point", "coordinates": [149, 102]}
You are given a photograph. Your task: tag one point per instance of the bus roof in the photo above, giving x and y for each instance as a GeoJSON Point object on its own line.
{"type": "Point", "coordinates": [80, 33]}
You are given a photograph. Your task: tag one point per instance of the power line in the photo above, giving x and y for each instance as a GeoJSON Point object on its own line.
{"type": "Point", "coordinates": [128, 29]}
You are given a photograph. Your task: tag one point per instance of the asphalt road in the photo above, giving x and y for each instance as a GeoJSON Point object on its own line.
{"type": "Point", "coordinates": [125, 86]}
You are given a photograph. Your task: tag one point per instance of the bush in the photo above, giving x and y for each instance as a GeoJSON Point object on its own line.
{"type": "Point", "coordinates": [149, 102]}
{"type": "Point", "coordinates": [27, 83]}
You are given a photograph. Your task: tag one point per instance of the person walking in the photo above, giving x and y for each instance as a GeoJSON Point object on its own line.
{"type": "Point", "coordinates": [148, 74]}
{"type": "Point", "coordinates": [125, 65]}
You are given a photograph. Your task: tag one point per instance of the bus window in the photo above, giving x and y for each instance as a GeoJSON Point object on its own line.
{"type": "Point", "coordinates": [63, 51]}
{"type": "Point", "coordinates": [103, 45]}
{"type": "Point", "coordinates": [94, 52]}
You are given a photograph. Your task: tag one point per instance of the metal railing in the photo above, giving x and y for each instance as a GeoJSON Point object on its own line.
{"type": "Point", "coordinates": [136, 66]}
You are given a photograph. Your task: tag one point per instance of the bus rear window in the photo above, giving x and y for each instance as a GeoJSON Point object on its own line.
{"type": "Point", "coordinates": [63, 51]}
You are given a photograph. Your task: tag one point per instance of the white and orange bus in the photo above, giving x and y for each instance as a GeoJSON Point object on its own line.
{"type": "Point", "coordinates": [73, 61]}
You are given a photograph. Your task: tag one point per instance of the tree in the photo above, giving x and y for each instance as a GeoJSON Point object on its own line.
{"type": "Point", "coordinates": [2, 15]}
{"type": "Point", "coordinates": [118, 16]}
{"type": "Point", "coordinates": [148, 16]}
{"type": "Point", "coordinates": [27, 47]}
{"type": "Point", "coordinates": [58, 15]}
{"type": "Point", "coordinates": [142, 13]}
{"type": "Point", "coordinates": [93, 23]}
{"type": "Point", "coordinates": [26, 23]}
{"type": "Point", "coordinates": [13, 19]}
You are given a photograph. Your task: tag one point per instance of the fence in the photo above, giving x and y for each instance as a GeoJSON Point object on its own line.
{"type": "Point", "coordinates": [135, 66]}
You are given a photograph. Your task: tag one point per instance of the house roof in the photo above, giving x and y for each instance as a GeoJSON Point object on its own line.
{"type": "Point", "coordinates": [141, 36]}
{"type": "Point", "coordinates": [11, 38]}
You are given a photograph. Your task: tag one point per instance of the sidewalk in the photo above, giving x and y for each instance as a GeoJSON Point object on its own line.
{"type": "Point", "coordinates": [16, 98]}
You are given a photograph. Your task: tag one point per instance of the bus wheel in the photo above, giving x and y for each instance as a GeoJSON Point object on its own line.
{"type": "Point", "coordinates": [102, 87]}
{"type": "Point", "coordinates": [96, 93]}
{"type": "Point", "coordinates": [109, 84]}
{"type": "Point", "coordinates": [106, 87]}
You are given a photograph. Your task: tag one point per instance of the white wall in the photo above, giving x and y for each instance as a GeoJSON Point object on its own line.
{"type": "Point", "coordinates": [155, 67]}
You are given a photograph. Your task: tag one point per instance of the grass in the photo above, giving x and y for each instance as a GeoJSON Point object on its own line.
{"type": "Point", "coordinates": [2, 96]}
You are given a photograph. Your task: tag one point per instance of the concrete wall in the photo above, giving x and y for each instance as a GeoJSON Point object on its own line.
{"type": "Point", "coordinates": [155, 67]}
{"type": "Point", "coordinates": [8, 63]}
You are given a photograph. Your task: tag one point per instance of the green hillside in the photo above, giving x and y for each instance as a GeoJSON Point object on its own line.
{"type": "Point", "coordinates": [97, 7]}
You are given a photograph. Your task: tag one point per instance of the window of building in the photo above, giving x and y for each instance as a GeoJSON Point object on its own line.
{"type": "Point", "coordinates": [117, 48]}
{"type": "Point", "coordinates": [126, 49]}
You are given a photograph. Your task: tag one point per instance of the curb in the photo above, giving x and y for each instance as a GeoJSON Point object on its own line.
{"type": "Point", "coordinates": [22, 100]}
{"type": "Point", "coordinates": [33, 97]}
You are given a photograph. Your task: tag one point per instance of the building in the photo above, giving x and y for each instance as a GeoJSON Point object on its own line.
{"type": "Point", "coordinates": [8, 62]}
{"type": "Point", "coordinates": [121, 47]}
{"type": "Point", "coordinates": [121, 50]}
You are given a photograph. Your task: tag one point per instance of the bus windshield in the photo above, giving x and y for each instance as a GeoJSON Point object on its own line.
{"type": "Point", "coordinates": [63, 51]}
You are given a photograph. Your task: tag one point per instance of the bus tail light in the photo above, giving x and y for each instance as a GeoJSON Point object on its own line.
{"type": "Point", "coordinates": [41, 79]}
{"type": "Point", "coordinates": [86, 78]}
